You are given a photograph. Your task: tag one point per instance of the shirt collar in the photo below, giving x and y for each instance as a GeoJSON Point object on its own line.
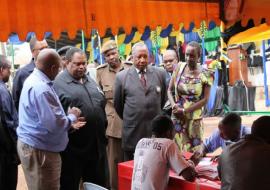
{"type": "Point", "coordinates": [114, 70]}
{"type": "Point", "coordinates": [70, 79]}
{"type": "Point", "coordinates": [43, 77]}
{"type": "Point", "coordinates": [139, 72]}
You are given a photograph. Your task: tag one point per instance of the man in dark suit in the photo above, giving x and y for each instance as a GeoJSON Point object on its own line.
{"type": "Point", "coordinates": [35, 47]}
{"type": "Point", "coordinates": [139, 95]}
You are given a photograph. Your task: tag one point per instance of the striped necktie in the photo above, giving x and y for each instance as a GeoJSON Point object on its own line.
{"type": "Point", "coordinates": [142, 79]}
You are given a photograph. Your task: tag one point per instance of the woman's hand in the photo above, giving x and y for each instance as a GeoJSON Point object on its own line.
{"type": "Point", "coordinates": [177, 111]}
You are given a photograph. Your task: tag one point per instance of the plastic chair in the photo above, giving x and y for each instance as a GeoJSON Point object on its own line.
{"type": "Point", "coordinates": [92, 186]}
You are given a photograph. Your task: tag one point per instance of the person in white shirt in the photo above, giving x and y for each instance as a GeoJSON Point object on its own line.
{"type": "Point", "coordinates": [155, 156]}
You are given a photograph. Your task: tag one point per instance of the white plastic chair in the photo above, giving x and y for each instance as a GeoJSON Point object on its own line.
{"type": "Point", "coordinates": [92, 186]}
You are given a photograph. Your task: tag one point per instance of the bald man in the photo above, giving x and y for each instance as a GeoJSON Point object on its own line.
{"type": "Point", "coordinates": [170, 60]}
{"type": "Point", "coordinates": [43, 125]}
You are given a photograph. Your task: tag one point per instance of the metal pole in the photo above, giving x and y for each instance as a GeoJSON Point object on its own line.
{"type": "Point", "coordinates": [83, 44]}
{"type": "Point", "coordinates": [267, 102]}
{"type": "Point", "coordinates": [99, 48]}
{"type": "Point", "coordinates": [203, 49]}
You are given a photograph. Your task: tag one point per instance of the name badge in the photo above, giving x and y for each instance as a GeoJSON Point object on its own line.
{"type": "Point", "coordinates": [158, 89]}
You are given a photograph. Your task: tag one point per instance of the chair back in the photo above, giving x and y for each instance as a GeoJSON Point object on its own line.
{"type": "Point", "coordinates": [92, 186]}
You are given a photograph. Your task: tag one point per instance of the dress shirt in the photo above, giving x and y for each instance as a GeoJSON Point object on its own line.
{"type": "Point", "coordinates": [43, 123]}
{"type": "Point", "coordinates": [140, 73]}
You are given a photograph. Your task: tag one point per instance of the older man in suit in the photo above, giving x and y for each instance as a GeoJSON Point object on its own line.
{"type": "Point", "coordinates": [139, 95]}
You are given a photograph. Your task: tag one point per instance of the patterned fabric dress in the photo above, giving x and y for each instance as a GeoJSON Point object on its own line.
{"type": "Point", "coordinates": [189, 90]}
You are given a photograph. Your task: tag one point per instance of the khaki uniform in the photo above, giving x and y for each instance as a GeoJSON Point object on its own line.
{"type": "Point", "coordinates": [105, 79]}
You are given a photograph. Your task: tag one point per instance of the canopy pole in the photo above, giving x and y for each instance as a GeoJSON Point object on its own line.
{"type": "Point", "coordinates": [83, 41]}
{"type": "Point", "coordinates": [203, 48]}
{"type": "Point", "coordinates": [12, 56]}
{"type": "Point", "coordinates": [267, 102]}
{"type": "Point", "coordinates": [99, 49]}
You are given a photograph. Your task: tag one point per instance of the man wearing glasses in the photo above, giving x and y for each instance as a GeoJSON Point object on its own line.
{"type": "Point", "coordinates": [35, 47]}
{"type": "Point", "coordinates": [85, 155]}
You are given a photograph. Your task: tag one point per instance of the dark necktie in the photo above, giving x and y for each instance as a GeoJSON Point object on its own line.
{"type": "Point", "coordinates": [142, 79]}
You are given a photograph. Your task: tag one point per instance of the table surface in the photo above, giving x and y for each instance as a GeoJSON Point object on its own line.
{"type": "Point", "coordinates": [175, 182]}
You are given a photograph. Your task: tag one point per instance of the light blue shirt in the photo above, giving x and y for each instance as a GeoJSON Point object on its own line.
{"type": "Point", "coordinates": [215, 141]}
{"type": "Point", "coordinates": [43, 123]}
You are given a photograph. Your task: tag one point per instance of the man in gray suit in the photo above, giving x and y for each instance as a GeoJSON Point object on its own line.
{"type": "Point", "coordinates": [139, 95]}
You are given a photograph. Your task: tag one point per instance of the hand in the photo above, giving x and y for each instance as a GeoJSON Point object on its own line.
{"type": "Point", "coordinates": [177, 111]}
{"type": "Point", "coordinates": [196, 157]}
{"type": "Point", "coordinates": [189, 174]}
{"type": "Point", "coordinates": [79, 123]}
{"type": "Point", "coordinates": [75, 111]}
{"type": "Point", "coordinates": [215, 158]}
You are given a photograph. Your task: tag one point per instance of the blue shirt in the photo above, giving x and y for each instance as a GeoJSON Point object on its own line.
{"type": "Point", "coordinates": [215, 141]}
{"type": "Point", "coordinates": [10, 116]}
{"type": "Point", "coordinates": [43, 123]}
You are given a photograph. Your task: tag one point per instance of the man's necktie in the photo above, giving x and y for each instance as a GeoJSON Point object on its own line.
{"type": "Point", "coordinates": [142, 79]}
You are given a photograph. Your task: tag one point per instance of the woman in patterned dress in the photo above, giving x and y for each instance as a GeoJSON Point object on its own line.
{"type": "Point", "coordinates": [188, 92]}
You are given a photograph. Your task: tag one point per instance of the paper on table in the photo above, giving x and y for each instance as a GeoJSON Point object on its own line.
{"type": "Point", "coordinates": [206, 161]}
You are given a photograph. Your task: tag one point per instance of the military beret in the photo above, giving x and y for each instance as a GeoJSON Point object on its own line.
{"type": "Point", "coordinates": [111, 44]}
{"type": "Point", "coordinates": [63, 50]}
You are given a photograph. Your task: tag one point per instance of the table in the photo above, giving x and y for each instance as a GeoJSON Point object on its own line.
{"type": "Point", "coordinates": [175, 182]}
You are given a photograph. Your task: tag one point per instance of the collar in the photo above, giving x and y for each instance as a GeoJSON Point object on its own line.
{"type": "Point", "coordinates": [114, 70]}
{"type": "Point", "coordinates": [42, 76]}
{"type": "Point", "coordinates": [139, 71]}
{"type": "Point", "coordinates": [70, 79]}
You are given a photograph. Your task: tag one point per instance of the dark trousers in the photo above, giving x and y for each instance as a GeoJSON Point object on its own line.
{"type": "Point", "coordinates": [8, 172]}
{"type": "Point", "coordinates": [128, 155]}
{"type": "Point", "coordinates": [75, 168]}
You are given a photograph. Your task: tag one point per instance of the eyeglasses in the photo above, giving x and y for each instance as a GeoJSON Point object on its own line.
{"type": "Point", "coordinates": [79, 63]}
{"type": "Point", "coordinates": [168, 61]}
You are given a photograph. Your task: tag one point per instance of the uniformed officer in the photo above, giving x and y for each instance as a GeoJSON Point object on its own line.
{"type": "Point", "coordinates": [105, 78]}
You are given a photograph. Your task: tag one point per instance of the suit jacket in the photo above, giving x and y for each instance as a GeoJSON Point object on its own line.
{"type": "Point", "coordinates": [137, 105]}
{"type": "Point", "coordinates": [19, 79]}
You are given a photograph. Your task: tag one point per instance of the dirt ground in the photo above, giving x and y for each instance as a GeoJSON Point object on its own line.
{"type": "Point", "coordinates": [210, 125]}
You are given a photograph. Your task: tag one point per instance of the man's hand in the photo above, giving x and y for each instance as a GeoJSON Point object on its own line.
{"type": "Point", "coordinates": [189, 173]}
{"type": "Point", "coordinates": [74, 110]}
{"type": "Point", "coordinates": [196, 157]}
{"type": "Point", "coordinates": [79, 123]}
{"type": "Point", "coordinates": [215, 158]}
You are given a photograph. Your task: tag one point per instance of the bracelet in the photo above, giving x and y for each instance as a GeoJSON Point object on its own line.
{"type": "Point", "coordinates": [184, 111]}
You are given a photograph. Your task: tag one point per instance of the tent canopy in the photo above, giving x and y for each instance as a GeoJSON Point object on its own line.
{"type": "Point", "coordinates": [254, 34]}
{"type": "Point", "coordinates": [23, 16]}
{"type": "Point", "coordinates": [39, 16]}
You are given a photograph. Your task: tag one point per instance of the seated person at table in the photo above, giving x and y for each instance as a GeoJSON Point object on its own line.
{"type": "Point", "coordinates": [155, 156]}
{"type": "Point", "coordinates": [230, 130]}
{"type": "Point", "coordinates": [245, 164]}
